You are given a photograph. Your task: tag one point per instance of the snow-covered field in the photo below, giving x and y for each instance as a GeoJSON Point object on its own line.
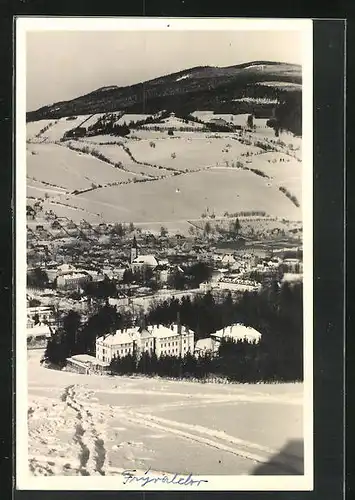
{"type": "Point", "coordinates": [208, 176]}
{"type": "Point", "coordinates": [188, 153]}
{"type": "Point", "coordinates": [101, 425]}
{"type": "Point", "coordinates": [186, 197]}
{"type": "Point", "coordinates": [69, 169]}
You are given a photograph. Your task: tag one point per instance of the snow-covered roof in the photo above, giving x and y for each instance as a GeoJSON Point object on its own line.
{"type": "Point", "coordinates": [118, 338]}
{"type": "Point", "coordinates": [238, 332]}
{"type": "Point", "coordinates": [145, 334]}
{"type": "Point", "coordinates": [65, 268]}
{"type": "Point", "coordinates": [86, 359]}
{"type": "Point", "coordinates": [207, 344]}
{"type": "Point", "coordinates": [132, 334]}
{"type": "Point", "coordinates": [74, 275]}
{"type": "Point", "coordinates": [38, 330]}
{"type": "Point", "coordinates": [148, 260]}
{"type": "Point", "coordinates": [161, 331]}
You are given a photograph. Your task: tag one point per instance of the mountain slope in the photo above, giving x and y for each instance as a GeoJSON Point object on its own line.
{"type": "Point", "coordinates": [203, 88]}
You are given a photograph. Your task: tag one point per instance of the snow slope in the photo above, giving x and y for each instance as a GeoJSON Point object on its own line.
{"type": "Point", "coordinates": [99, 425]}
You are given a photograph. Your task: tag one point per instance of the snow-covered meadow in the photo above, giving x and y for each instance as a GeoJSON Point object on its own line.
{"type": "Point", "coordinates": [101, 425]}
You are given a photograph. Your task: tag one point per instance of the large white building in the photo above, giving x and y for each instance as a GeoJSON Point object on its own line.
{"type": "Point", "coordinates": [237, 332]}
{"type": "Point", "coordinates": [210, 345]}
{"type": "Point", "coordinates": [174, 340]}
{"type": "Point", "coordinates": [237, 284]}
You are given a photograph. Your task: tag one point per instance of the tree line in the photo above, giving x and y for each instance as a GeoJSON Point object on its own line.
{"type": "Point", "coordinates": [276, 312]}
{"type": "Point", "coordinates": [239, 361]}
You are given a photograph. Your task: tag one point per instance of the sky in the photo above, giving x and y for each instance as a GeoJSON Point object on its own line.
{"type": "Point", "coordinates": [62, 65]}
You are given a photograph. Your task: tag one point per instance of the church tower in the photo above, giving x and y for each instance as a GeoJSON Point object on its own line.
{"type": "Point", "coordinates": [134, 249]}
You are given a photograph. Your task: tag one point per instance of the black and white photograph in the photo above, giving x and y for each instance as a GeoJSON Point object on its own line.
{"type": "Point", "coordinates": [164, 237]}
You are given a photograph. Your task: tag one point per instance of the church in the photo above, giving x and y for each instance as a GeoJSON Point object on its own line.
{"type": "Point", "coordinates": [138, 261]}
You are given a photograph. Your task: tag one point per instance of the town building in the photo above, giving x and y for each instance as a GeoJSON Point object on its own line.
{"type": "Point", "coordinates": [144, 260]}
{"type": "Point", "coordinates": [237, 284]}
{"type": "Point", "coordinates": [174, 340]}
{"type": "Point", "coordinates": [64, 269]}
{"type": "Point", "coordinates": [72, 281]}
{"type": "Point", "coordinates": [220, 122]}
{"type": "Point", "coordinates": [85, 364]}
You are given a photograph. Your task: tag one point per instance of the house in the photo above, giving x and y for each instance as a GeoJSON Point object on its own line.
{"type": "Point", "coordinates": [144, 260]}
{"type": "Point", "coordinates": [85, 364]}
{"type": "Point", "coordinates": [206, 346]}
{"type": "Point", "coordinates": [162, 273]}
{"type": "Point", "coordinates": [76, 132]}
{"type": "Point", "coordinates": [237, 285]}
{"type": "Point", "coordinates": [65, 269]}
{"type": "Point", "coordinates": [219, 122]}
{"type": "Point", "coordinates": [56, 225]}
{"type": "Point", "coordinates": [73, 280]}
{"type": "Point", "coordinates": [237, 332]}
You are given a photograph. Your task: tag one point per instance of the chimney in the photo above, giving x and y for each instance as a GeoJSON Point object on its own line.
{"type": "Point", "coordinates": [178, 321]}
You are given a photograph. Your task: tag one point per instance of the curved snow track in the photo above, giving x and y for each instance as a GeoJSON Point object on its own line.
{"type": "Point", "coordinates": [90, 425]}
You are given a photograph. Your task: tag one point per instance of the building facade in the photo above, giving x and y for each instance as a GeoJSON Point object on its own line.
{"type": "Point", "coordinates": [72, 281]}
{"type": "Point", "coordinates": [174, 340]}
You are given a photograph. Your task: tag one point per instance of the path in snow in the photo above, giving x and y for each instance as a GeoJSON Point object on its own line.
{"type": "Point", "coordinates": [92, 425]}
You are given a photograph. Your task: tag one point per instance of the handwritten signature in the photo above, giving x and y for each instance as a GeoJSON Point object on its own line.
{"type": "Point", "coordinates": [130, 476]}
